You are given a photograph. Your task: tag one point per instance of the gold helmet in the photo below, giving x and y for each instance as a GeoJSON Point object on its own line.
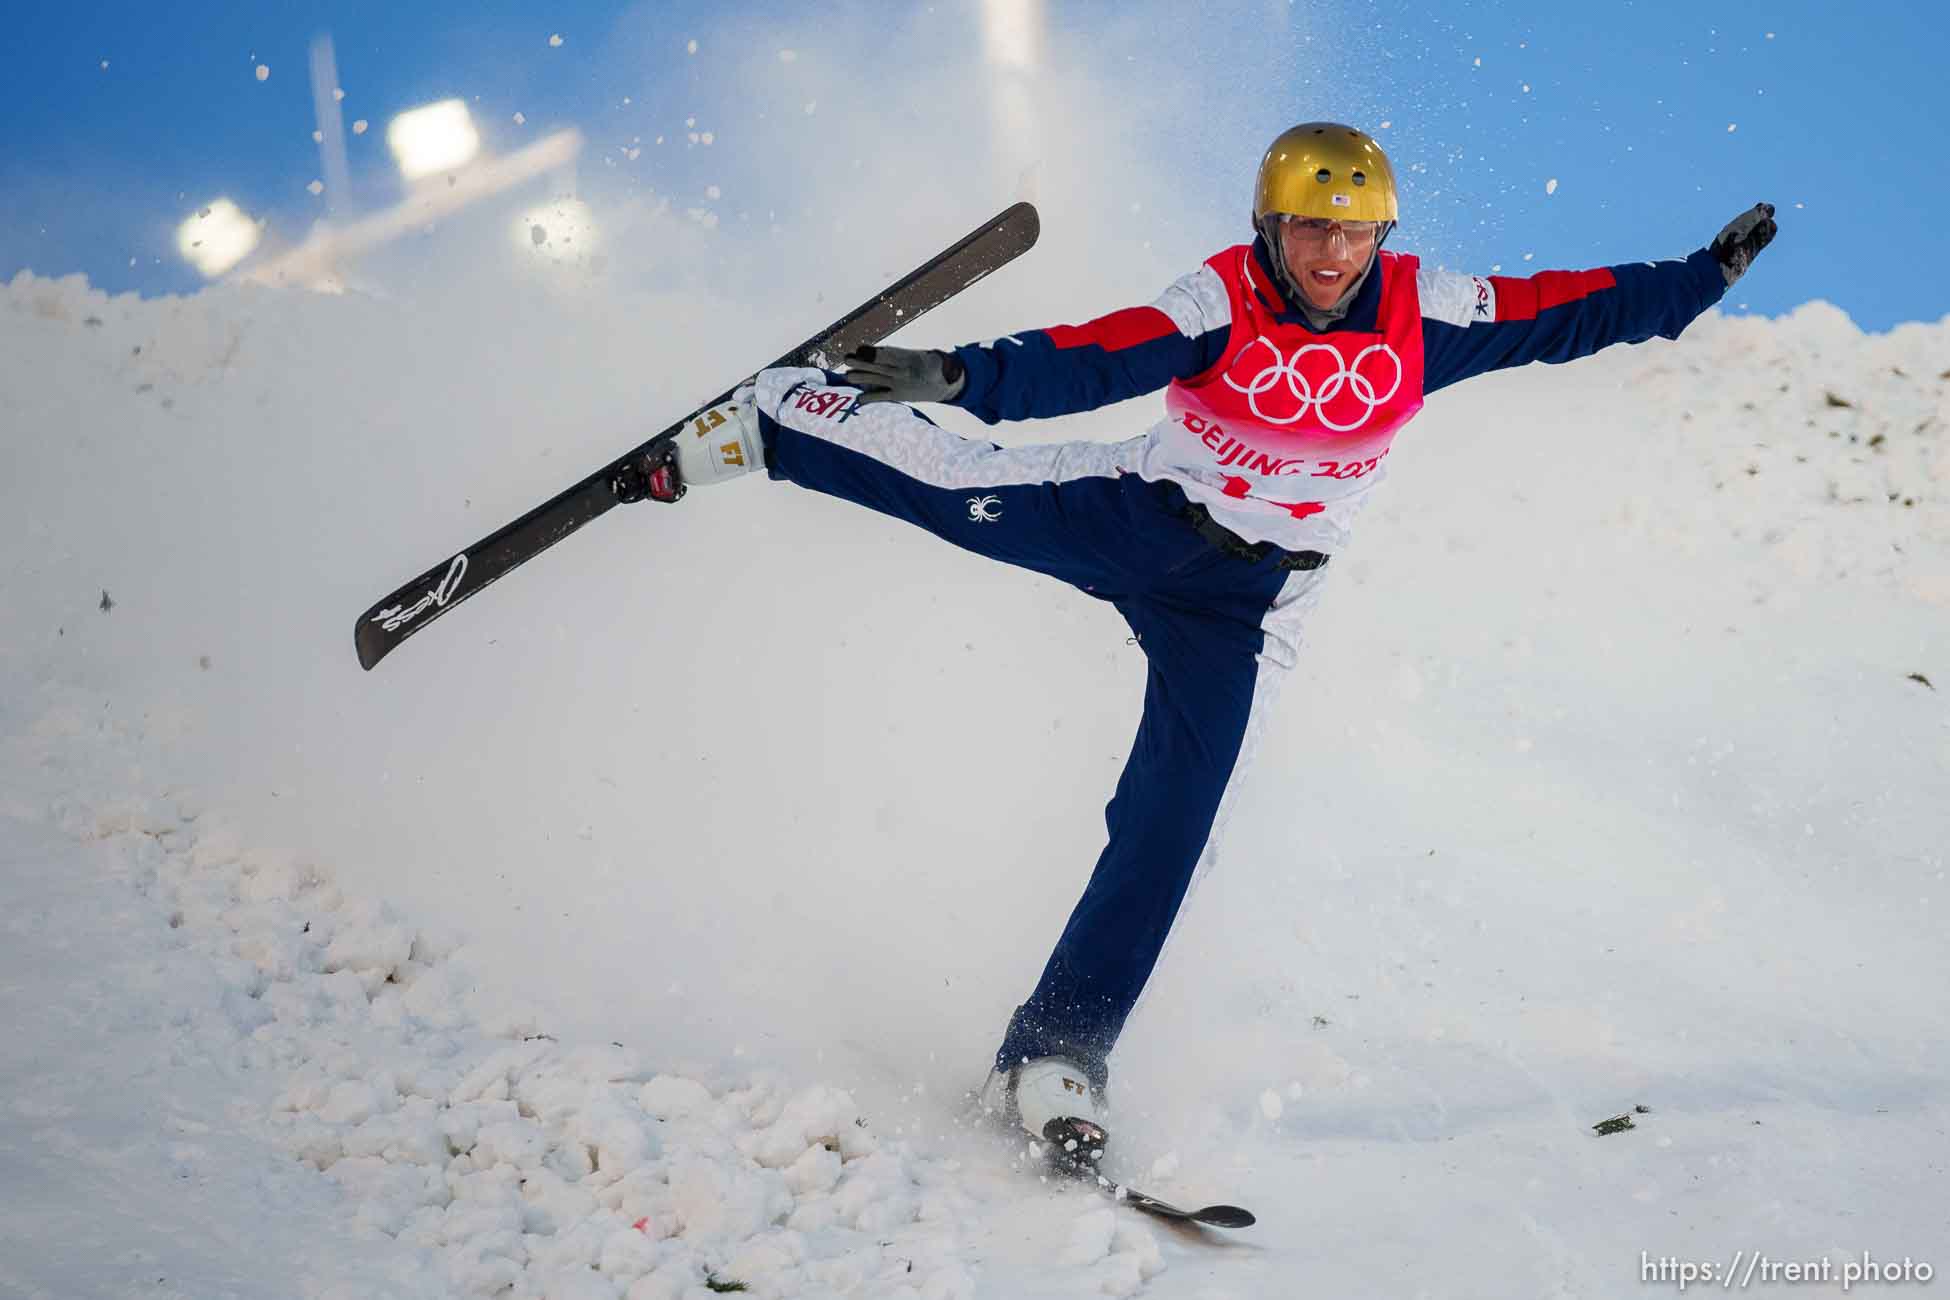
{"type": "Point", "coordinates": [1325, 169]}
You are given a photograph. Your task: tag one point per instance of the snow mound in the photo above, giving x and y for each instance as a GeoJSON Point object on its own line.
{"type": "Point", "coordinates": [500, 1162]}
{"type": "Point", "coordinates": [1788, 421]}
{"type": "Point", "coordinates": [526, 1164]}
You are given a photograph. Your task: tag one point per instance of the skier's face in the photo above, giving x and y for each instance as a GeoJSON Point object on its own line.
{"type": "Point", "coordinates": [1325, 257]}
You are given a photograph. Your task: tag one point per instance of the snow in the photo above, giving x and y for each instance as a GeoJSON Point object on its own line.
{"type": "Point", "coordinates": [643, 922]}
{"type": "Point", "coordinates": [240, 1023]}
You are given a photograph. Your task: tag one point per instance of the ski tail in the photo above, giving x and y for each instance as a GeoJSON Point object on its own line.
{"type": "Point", "coordinates": [389, 622]}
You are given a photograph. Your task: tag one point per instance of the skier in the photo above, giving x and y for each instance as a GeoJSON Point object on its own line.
{"type": "Point", "coordinates": [1289, 365]}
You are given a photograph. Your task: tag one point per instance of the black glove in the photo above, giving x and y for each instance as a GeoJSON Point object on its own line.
{"type": "Point", "coordinates": [1742, 240]}
{"type": "Point", "coordinates": [904, 374]}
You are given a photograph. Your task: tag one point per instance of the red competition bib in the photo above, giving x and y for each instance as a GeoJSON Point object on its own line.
{"type": "Point", "coordinates": [1292, 418]}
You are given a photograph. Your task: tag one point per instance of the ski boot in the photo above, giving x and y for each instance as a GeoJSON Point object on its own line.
{"type": "Point", "coordinates": [719, 444]}
{"type": "Point", "coordinates": [1052, 1101]}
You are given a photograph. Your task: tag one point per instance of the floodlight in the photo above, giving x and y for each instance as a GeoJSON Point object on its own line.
{"type": "Point", "coordinates": [217, 237]}
{"type": "Point", "coordinates": [437, 138]}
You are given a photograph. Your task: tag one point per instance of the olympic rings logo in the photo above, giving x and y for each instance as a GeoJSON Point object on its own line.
{"type": "Point", "coordinates": [1346, 376]}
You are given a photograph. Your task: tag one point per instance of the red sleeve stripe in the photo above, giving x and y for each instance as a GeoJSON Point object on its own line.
{"type": "Point", "coordinates": [1119, 330]}
{"type": "Point", "coordinates": [1524, 299]}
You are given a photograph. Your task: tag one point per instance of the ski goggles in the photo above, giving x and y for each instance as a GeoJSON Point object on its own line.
{"type": "Point", "coordinates": [1318, 231]}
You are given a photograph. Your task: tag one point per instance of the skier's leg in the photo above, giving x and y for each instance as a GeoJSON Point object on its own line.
{"type": "Point", "coordinates": [1213, 674]}
{"type": "Point", "coordinates": [1057, 508]}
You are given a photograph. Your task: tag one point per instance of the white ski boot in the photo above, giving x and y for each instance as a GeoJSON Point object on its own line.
{"type": "Point", "coordinates": [720, 444]}
{"type": "Point", "coordinates": [1051, 1100]}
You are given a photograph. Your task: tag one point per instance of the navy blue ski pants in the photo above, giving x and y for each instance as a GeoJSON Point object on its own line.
{"type": "Point", "coordinates": [1218, 632]}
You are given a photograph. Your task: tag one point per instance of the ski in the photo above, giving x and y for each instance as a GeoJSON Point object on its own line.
{"type": "Point", "coordinates": [1216, 1216]}
{"type": "Point", "coordinates": [1071, 1148]}
{"type": "Point", "coordinates": [415, 604]}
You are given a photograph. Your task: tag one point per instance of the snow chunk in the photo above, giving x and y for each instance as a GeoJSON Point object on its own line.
{"type": "Point", "coordinates": [818, 1117]}
{"type": "Point", "coordinates": [387, 1193]}
{"type": "Point", "coordinates": [876, 1195]}
{"type": "Point", "coordinates": [269, 882]}
{"type": "Point", "coordinates": [351, 1102]}
{"type": "Point", "coordinates": [764, 1256]}
{"type": "Point", "coordinates": [517, 1142]}
{"type": "Point", "coordinates": [717, 1200]}
{"type": "Point", "coordinates": [815, 1171]}
{"type": "Point", "coordinates": [1090, 1238]}
{"type": "Point", "coordinates": [621, 1137]}
{"type": "Point", "coordinates": [1136, 1241]}
{"type": "Point", "coordinates": [374, 946]}
{"type": "Point", "coordinates": [671, 1097]}
{"type": "Point", "coordinates": [411, 1136]}
{"type": "Point", "coordinates": [577, 1284]}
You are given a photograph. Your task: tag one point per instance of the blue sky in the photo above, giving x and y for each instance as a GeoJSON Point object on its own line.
{"type": "Point", "coordinates": [1626, 106]}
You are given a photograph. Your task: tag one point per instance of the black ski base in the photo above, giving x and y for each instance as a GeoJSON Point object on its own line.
{"type": "Point", "coordinates": [1212, 1216]}
{"type": "Point", "coordinates": [1073, 1149]}
{"type": "Point", "coordinates": [1070, 1152]}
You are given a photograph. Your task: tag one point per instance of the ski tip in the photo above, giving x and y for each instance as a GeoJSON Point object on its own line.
{"type": "Point", "coordinates": [370, 644]}
{"type": "Point", "coordinates": [1024, 212]}
{"type": "Point", "coordinates": [1225, 1216]}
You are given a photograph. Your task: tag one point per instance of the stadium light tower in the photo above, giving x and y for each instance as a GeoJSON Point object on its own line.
{"type": "Point", "coordinates": [325, 94]}
{"type": "Point", "coordinates": [1012, 32]}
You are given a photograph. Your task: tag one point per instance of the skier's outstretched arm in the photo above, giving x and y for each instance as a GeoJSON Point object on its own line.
{"type": "Point", "coordinates": [1472, 324]}
{"type": "Point", "coordinates": [1034, 374]}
